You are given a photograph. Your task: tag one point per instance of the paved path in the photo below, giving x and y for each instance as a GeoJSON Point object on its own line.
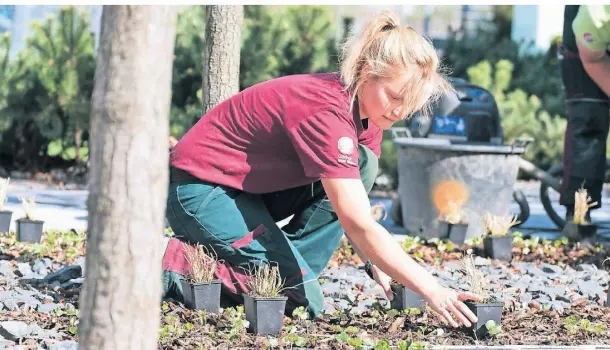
{"type": "Point", "coordinates": [60, 209]}
{"type": "Point", "coordinates": [66, 209]}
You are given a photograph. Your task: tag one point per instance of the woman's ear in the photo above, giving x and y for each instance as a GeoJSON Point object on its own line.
{"type": "Point", "coordinates": [366, 71]}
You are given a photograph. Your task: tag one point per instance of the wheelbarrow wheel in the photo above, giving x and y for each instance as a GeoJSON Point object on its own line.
{"type": "Point", "coordinates": [524, 207]}
{"type": "Point", "coordinates": [555, 171]}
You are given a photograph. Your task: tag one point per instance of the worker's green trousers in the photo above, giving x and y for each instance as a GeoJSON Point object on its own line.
{"type": "Point", "coordinates": [585, 151]}
{"type": "Point", "coordinates": [587, 107]}
{"type": "Point", "coordinates": [241, 229]}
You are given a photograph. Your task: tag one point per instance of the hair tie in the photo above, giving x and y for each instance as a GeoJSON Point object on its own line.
{"type": "Point", "coordinates": [387, 27]}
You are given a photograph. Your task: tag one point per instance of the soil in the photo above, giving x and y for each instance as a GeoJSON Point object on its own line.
{"type": "Point", "coordinates": [182, 328]}
{"type": "Point", "coordinates": [531, 327]}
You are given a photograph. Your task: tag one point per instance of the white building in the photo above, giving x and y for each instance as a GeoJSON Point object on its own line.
{"type": "Point", "coordinates": [435, 22]}
{"type": "Point", "coordinates": [537, 24]}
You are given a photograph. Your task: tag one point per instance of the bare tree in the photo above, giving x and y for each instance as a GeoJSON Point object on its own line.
{"type": "Point", "coordinates": [128, 178]}
{"type": "Point", "coordinates": [221, 53]}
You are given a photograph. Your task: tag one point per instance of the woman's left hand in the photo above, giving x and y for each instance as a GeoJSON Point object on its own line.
{"type": "Point", "coordinates": [383, 280]}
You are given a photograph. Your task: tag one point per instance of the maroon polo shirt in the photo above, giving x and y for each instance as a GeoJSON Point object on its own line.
{"type": "Point", "coordinates": [279, 134]}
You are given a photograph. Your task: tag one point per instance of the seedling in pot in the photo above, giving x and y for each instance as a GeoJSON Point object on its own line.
{"type": "Point", "coordinates": [498, 242]}
{"type": "Point", "coordinates": [449, 198]}
{"type": "Point", "coordinates": [200, 289]}
{"type": "Point", "coordinates": [5, 215]}
{"type": "Point", "coordinates": [29, 229]}
{"type": "Point", "coordinates": [263, 304]}
{"type": "Point", "coordinates": [405, 298]}
{"type": "Point", "coordinates": [453, 224]}
{"type": "Point", "coordinates": [487, 309]}
{"type": "Point", "coordinates": [579, 227]}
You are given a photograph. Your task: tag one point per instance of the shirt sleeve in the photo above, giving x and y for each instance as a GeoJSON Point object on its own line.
{"type": "Point", "coordinates": [327, 146]}
{"type": "Point", "coordinates": [587, 28]}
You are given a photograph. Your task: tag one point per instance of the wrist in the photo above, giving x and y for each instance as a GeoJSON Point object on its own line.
{"type": "Point", "coordinates": [430, 288]}
{"type": "Point", "coordinates": [424, 282]}
{"type": "Point", "coordinates": [368, 268]}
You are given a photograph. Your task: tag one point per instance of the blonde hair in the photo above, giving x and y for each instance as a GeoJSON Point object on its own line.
{"type": "Point", "coordinates": [390, 49]}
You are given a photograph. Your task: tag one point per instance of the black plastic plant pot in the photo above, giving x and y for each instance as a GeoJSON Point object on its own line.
{"type": "Point", "coordinates": [265, 315]}
{"type": "Point", "coordinates": [29, 230]}
{"type": "Point", "coordinates": [484, 312]}
{"type": "Point", "coordinates": [405, 298]}
{"type": "Point", "coordinates": [202, 296]}
{"type": "Point", "coordinates": [579, 231]}
{"type": "Point", "coordinates": [5, 220]}
{"type": "Point", "coordinates": [456, 233]}
{"type": "Point", "coordinates": [499, 247]}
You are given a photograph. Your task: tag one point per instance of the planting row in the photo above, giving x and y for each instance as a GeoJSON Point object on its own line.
{"type": "Point", "coordinates": [497, 239]}
{"type": "Point", "coordinates": [264, 309]}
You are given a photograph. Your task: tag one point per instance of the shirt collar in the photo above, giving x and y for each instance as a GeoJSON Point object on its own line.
{"type": "Point", "coordinates": [361, 124]}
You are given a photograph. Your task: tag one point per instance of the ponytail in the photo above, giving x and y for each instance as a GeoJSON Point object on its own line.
{"type": "Point", "coordinates": [388, 49]}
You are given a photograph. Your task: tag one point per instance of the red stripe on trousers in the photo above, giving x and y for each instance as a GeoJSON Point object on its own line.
{"type": "Point", "coordinates": [233, 278]}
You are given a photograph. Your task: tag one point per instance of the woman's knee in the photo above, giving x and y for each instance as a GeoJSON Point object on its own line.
{"type": "Point", "coordinates": [369, 166]}
{"type": "Point", "coordinates": [205, 214]}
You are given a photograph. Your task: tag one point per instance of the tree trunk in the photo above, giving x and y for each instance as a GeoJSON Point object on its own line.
{"type": "Point", "coordinates": [128, 178]}
{"type": "Point", "coordinates": [221, 53]}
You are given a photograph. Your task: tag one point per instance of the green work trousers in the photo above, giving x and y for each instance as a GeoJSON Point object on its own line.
{"type": "Point", "coordinates": [241, 229]}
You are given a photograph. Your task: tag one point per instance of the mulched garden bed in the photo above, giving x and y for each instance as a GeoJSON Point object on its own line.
{"type": "Point", "coordinates": [184, 328]}
{"type": "Point", "coordinates": [380, 329]}
{"type": "Point", "coordinates": [385, 329]}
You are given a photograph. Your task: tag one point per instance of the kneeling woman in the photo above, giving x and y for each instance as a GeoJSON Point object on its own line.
{"type": "Point", "coordinates": [306, 146]}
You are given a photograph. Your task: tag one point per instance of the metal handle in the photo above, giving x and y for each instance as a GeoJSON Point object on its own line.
{"type": "Point", "coordinates": [396, 131]}
{"type": "Point", "coordinates": [539, 174]}
{"type": "Point", "coordinates": [522, 141]}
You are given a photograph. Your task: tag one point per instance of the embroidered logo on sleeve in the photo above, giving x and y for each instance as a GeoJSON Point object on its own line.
{"type": "Point", "coordinates": [588, 37]}
{"type": "Point", "coordinates": [346, 148]}
{"type": "Point", "coordinates": [346, 145]}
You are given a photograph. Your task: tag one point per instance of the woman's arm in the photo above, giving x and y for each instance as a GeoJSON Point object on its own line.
{"type": "Point", "coordinates": [351, 203]}
{"type": "Point", "coordinates": [592, 40]}
{"type": "Point", "coordinates": [597, 65]}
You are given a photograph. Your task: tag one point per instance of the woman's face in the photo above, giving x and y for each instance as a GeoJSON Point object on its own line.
{"type": "Point", "coordinates": [381, 99]}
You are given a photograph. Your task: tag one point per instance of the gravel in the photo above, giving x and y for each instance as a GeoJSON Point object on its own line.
{"type": "Point", "coordinates": [520, 286]}
{"type": "Point", "coordinates": [346, 289]}
{"type": "Point", "coordinates": [24, 289]}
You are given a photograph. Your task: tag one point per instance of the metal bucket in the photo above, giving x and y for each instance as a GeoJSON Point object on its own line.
{"type": "Point", "coordinates": [488, 171]}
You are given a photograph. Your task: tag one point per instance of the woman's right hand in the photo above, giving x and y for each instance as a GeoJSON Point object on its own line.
{"type": "Point", "coordinates": [449, 304]}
